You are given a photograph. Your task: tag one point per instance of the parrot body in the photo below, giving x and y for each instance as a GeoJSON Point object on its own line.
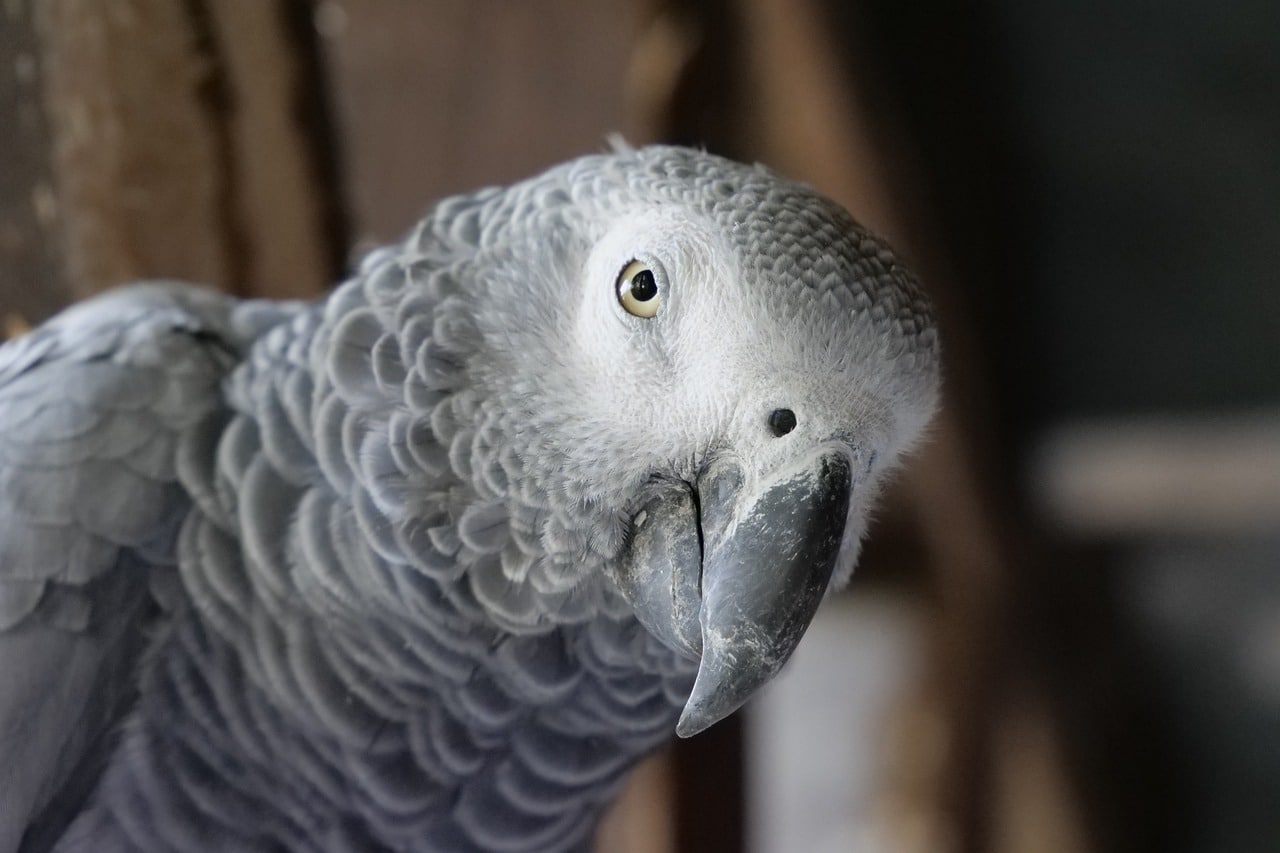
{"type": "Point", "coordinates": [429, 564]}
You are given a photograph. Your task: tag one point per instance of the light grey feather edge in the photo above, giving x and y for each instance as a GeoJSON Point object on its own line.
{"type": "Point", "coordinates": [90, 407]}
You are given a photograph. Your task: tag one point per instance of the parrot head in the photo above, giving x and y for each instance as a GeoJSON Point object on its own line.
{"type": "Point", "coordinates": [706, 371]}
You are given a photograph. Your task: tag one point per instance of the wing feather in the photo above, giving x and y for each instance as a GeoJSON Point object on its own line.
{"type": "Point", "coordinates": [92, 408]}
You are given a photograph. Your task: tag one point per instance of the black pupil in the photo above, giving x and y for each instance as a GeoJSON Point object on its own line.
{"type": "Point", "coordinates": [643, 286]}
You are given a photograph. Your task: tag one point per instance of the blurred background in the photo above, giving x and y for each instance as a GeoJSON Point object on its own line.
{"type": "Point", "coordinates": [1065, 634]}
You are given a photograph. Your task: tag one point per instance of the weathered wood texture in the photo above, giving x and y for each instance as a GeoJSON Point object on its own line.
{"type": "Point", "coordinates": [32, 280]}
{"type": "Point", "coordinates": [441, 97]}
{"type": "Point", "coordinates": [140, 172]}
{"type": "Point", "coordinates": [280, 158]}
{"type": "Point", "coordinates": [182, 146]}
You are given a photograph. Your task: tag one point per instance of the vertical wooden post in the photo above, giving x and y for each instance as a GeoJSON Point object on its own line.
{"type": "Point", "coordinates": [180, 149]}
{"type": "Point", "coordinates": [140, 159]}
{"type": "Point", "coordinates": [32, 279]}
{"type": "Point", "coordinates": [282, 162]}
{"type": "Point", "coordinates": [644, 819]}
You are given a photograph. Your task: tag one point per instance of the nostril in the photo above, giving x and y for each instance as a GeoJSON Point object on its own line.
{"type": "Point", "coordinates": [782, 421]}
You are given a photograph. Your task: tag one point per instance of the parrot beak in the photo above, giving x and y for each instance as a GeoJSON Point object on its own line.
{"type": "Point", "coordinates": [766, 556]}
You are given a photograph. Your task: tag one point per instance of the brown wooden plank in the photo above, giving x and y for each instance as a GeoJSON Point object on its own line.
{"type": "Point", "coordinates": [182, 145]}
{"type": "Point", "coordinates": [287, 213]}
{"type": "Point", "coordinates": [442, 97]}
{"type": "Point", "coordinates": [139, 161]}
{"type": "Point", "coordinates": [643, 819]}
{"type": "Point", "coordinates": [32, 280]}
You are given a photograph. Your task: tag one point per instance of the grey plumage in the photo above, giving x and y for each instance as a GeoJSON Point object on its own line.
{"type": "Point", "coordinates": [366, 574]}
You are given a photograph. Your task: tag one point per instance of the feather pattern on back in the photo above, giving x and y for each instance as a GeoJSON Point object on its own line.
{"type": "Point", "coordinates": [93, 407]}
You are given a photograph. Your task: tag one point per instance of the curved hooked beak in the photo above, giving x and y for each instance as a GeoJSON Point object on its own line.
{"type": "Point", "coordinates": [733, 577]}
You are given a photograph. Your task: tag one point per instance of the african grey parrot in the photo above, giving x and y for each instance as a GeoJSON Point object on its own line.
{"type": "Point", "coordinates": [430, 563]}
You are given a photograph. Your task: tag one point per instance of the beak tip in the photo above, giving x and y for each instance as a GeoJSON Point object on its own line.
{"type": "Point", "coordinates": [697, 718]}
{"type": "Point", "coordinates": [688, 727]}
{"type": "Point", "coordinates": [723, 684]}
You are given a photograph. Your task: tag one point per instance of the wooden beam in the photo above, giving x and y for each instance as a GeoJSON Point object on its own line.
{"type": "Point", "coordinates": [283, 171]}
{"type": "Point", "coordinates": [140, 162]}
{"type": "Point", "coordinates": [180, 149]}
{"type": "Point", "coordinates": [643, 820]}
{"type": "Point", "coordinates": [32, 277]}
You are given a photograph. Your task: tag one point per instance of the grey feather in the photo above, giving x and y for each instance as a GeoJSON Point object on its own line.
{"type": "Point", "coordinates": [93, 405]}
{"type": "Point", "coordinates": [349, 575]}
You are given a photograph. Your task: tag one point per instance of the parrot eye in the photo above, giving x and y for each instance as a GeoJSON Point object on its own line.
{"type": "Point", "coordinates": [638, 290]}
